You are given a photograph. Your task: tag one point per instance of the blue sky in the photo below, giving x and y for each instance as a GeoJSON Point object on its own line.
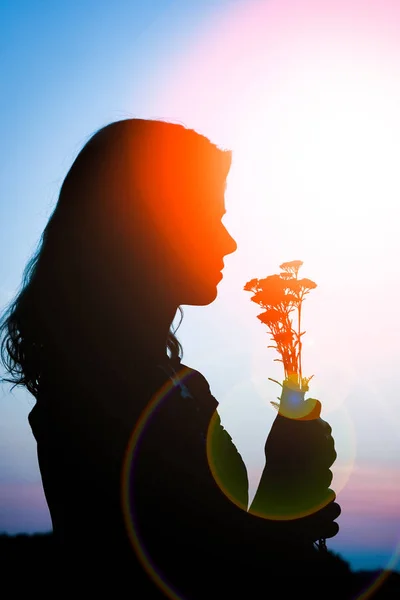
{"type": "Point", "coordinates": [253, 76]}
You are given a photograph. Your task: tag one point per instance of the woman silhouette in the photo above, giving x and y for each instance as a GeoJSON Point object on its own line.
{"type": "Point", "coordinates": [146, 490]}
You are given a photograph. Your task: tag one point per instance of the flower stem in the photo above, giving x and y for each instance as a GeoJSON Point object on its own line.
{"type": "Point", "coordinates": [299, 342]}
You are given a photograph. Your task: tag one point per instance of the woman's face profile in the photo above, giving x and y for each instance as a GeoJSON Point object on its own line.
{"type": "Point", "coordinates": [203, 242]}
{"type": "Point", "coordinates": [163, 194]}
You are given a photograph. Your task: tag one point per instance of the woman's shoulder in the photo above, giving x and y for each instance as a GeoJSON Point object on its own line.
{"type": "Point", "coordinates": [60, 402]}
{"type": "Point", "coordinates": [196, 383]}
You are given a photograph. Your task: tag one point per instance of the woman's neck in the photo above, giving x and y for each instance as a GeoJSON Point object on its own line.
{"type": "Point", "coordinates": [138, 338]}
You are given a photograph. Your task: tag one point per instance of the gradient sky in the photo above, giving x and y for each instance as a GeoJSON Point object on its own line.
{"type": "Point", "coordinates": [307, 95]}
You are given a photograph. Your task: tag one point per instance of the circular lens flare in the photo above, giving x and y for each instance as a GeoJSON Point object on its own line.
{"type": "Point", "coordinates": [128, 482]}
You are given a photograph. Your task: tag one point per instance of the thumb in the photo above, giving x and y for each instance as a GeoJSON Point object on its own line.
{"type": "Point", "coordinates": [311, 410]}
{"type": "Point", "coordinates": [293, 406]}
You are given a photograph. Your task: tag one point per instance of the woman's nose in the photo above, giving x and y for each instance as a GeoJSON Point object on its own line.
{"type": "Point", "coordinates": [230, 243]}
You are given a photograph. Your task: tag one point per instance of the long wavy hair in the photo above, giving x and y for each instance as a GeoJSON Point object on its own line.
{"type": "Point", "coordinates": [125, 168]}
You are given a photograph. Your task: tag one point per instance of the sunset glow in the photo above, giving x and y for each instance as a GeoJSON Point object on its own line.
{"type": "Point", "coordinates": [306, 95]}
{"type": "Point", "coordinates": [310, 94]}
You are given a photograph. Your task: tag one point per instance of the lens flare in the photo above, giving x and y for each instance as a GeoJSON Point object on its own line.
{"type": "Point", "coordinates": [229, 484]}
{"type": "Point", "coordinates": [128, 473]}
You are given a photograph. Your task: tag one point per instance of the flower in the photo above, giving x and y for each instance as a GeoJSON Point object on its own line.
{"type": "Point", "coordinates": [292, 266]}
{"type": "Point", "coordinates": [280, 295]}
{"type": "Point", "coordinates": [251, 285]}
{"type": "Point", "coordinates": [285, 275]}
{"type": "Point", "coordinates": [307, 284]}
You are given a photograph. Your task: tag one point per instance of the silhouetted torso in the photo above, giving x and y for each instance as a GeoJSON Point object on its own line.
{"type": "Point", "coordinates": [184, 528]}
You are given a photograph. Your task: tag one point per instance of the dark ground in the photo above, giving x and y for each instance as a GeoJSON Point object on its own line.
{"type": "Point", "coordinates": [24, 560]}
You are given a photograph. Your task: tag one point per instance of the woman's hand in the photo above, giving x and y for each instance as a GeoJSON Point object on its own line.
{"type": "Point", "coordinates": [295, 483]}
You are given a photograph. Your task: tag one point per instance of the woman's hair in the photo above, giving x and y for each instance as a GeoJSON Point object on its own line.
{"type": "Point", "coordinates": [104, 214]}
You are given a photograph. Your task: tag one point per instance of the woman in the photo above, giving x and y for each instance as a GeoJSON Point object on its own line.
{"type": "Point", "coordinates": [146, 490]}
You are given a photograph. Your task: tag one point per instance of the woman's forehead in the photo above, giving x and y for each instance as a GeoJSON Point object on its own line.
{"type": "Point", "coordinates": [207, 199]}
{"type": "Point", "coordinates": [200, 195]}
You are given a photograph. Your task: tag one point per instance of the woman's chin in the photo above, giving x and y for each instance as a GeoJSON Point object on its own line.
{"type": "Point", "coordinates": [201, 297]}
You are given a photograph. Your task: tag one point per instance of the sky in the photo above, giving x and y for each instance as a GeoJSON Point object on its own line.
{"type": "Point", "coordinates": [306, 94]}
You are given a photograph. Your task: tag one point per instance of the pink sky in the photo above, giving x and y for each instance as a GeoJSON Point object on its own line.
{"type": "Point", "coordinates": [23, 508]}
{"type": "Point", "coordinates": [369, 501]}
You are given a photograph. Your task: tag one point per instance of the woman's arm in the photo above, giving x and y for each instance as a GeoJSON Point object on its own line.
{"type": "Point", "coordinates": [189, 493]}
{"type": "Point", "coordinates": [226, 464]}
{"type": "Point", "coordinates": [293, 496]}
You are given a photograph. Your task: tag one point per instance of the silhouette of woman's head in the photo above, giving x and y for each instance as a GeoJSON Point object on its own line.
{"type": "Point", "coordinates": [136, 232]}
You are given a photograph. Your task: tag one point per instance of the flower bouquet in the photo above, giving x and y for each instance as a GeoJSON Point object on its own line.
{"type": "Point", "coordinates": [281, 296]}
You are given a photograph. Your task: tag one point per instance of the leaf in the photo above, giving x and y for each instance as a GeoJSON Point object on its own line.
{"type": "Point", "coordinates": [307, 379]}
{"type": "Point", "coordinates": [284, 337]}
{"type": "Point", "coordinates": [270, 316]}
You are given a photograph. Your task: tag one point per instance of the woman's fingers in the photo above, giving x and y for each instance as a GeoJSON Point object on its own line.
{"type": "Point", "coordinates": [330, 511]}
{"type": "Point", "coordinates": [327, 428]}
{"type": "Point", "coordinates": [326, 478]}
{"type": "Point", "coordinates": [307, 410]}
{"type": "Point", "coordinates": [329, 528]}
{"type": "Point", "coordinates": [319, 445]}
{"type": "Point", "coordinates": [322, 523]}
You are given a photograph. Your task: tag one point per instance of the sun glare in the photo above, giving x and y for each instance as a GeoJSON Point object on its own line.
{"type": "Point", "coordinates": [330, 161]}
{"type": "Point", "coordinates": [308, 99]}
